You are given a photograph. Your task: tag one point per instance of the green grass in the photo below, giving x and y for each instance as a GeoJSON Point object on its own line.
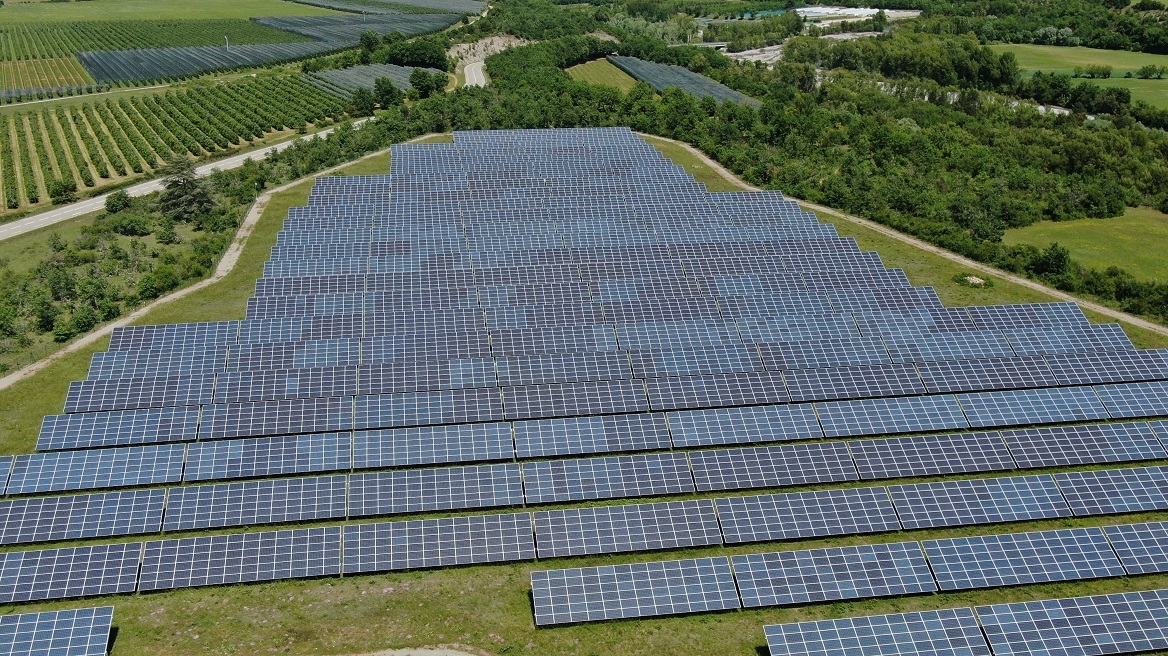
{"type": "Point", "coordinates": [601, 71]}
{"type": "Point", "coordinates": [152, 10]}
{"type": "Point", "coordinates": [485, 607]}
{"type": "Point", "coordinates": [1059, 59]}
{"type": "Point", "coordinates": [1136, 241]}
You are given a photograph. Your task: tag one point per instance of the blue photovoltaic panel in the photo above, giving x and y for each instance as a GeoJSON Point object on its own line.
{"type": "Point", "coordinates": [130, 393]}
{"type": "Point", "coordinates": [816, 575]}
{"type": "Point", "coordinates": [78, 632]}
{"type": "Point", "coordinates": [1030, 315]}
{"type": "Point", "coordinates": [574, 399]}
{"type": "Point", "coordinates": [1124, 623]}
{"type": "Point", "coordinates": [5, 470]}
{"type": "Point", "coordinates": [828, 353]}
{"type": "Point", "coordinates": [806, 514]}
{"type": "Point", "coordinates": [853, 382]}
{"type": "Point", "coordinates": [69, 572]}
{"type": "Point", "coordinates": [88, 470]}
{"type": "Point", "coordinates": [745, 388]}
{"type": "Point", "coordinates": [420, 375]}
{"type": "Point", "coordinates": [1032, 341]}
{"type": "Point", "coordinates": [428, 408]}
{"type": "Point", "coordinates": [424, 490]}
{"type": "Point", "coordinates": [1035, 406]}
{"type": "Point", "coordinates": [989, 374]}
{"type": "Point", "coordinates": [566, 339]}
{"type": "Point", "coordinates": [255, 502]}
{"type": "Point", "coordinates": [176, 362]}
{"type": "Point", "coordinates": [948, 632]}
{"type": "Point", "coordinates": [774, 466]}
{"type": "Point", "coordinates": [695, 361]}
{"type": "Point", "coordinates": [1078, 445]}
{"type": "Point", "coordinates": [982, 501]}
{"type": "Point", "coordinates": [898, 415]}
{"type": "Point", "coordinates": [444, 542]}
{"type": "Point", "coordinates": [288, 417]}
{"type": "Point", "coordinates": [580, 435]}
{"type": "Point", "coordinates": [1135, 399]}
{"type": "Point", "coordinates": [989, 561]}
{"type": "Point", "coordinates": [1109, 491]}
{"type": "Point", "coordinates": [118, 428]}
{"type": "Point", "coordinates": [239, 386]}
{"type": "Point", "coordinates": [949, 346]}
{"type": "Point", "coordinates": [1142, 548]}
{"type": "Point", "coordinates": [562, 368]}
{"type": "Point", "coordinates": [44, 519]}
{"type": "Point", "coordinates": [647, 589]}
{"type": "Point", "coordinates": [1108, 367]}
{"type": "Point", "coordinates": [241, 558]}
{"type": "Point", "coordinates": [606, 478]}
{"type": "Point", "coordinates": [717, 426]}
{"type": "Point", "coordinates": [634, 527]}
{"type": "Point", "coordinates": [428, 445]}
{"type": "Point", "coordinates": [268, 456]}
{"type": "Point", "coordinates": [930, 455]}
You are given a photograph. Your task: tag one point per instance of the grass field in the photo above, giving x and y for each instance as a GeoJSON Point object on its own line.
{"type": "Point", "coordinates": [1136, 241]}
{"type": "Point", "coordinates": [152, 10]}
{"type": "Point", "coordinates": [1059, 59]}
{"type": "Point", "coordinates": [485, 607]}
{"type": "Point", "coordinates": [601, 71]}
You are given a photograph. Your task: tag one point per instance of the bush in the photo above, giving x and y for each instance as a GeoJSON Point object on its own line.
{"type": "Point", "coordinates": [130, 225]}
{"type": "Point", "coordinates": [117, 201]}
{"type": "Point", "coordinates": [62, 190]}
{"type": "Point", "coordinates": [363, 102]}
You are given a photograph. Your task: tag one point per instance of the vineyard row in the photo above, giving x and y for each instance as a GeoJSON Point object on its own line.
{"type": "Point", "coordinates": [105, 141]}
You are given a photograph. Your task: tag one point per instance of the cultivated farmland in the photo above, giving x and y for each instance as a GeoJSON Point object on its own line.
{"type": "Point", "coordinates": [109, 140]}
{"type": "Point", "coordinates": [663, 76]}
{"type": "Point", "coordinates": [343, 82]}
{"type": "Point", "coordinates": [347, 29]}
{"type": "Point", "coordinates": [407, 6]}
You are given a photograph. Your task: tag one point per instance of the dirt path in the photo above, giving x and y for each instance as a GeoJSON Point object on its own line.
{"type": "Point", "coordinates": [226, 265]}
{"type": "Point", "coordinates": [913, 241]}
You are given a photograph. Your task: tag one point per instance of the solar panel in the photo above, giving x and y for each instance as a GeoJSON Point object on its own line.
{"type": "Point", "coordinates": [268, 456]}
{"type": "Point", "coordinates": [256, 418]}
{"type": "Point", "coordinates": [886, 416]}
{"type": "Point", "coordinates": [445, 542]}
{"type": "Point", "coordinates": [745, 388]}
{"type": "Point", "coordinates": [428, 445]}
{"type": "Point", "coordinates": [695, 361]}
{"type": "Point", "coordinates": [562, 368]}
{"type": "Point", "coordinates": [717, 426]}
{"type": "Point", "coordinates": [816, 575]}
{"type": "Point", "coordinates": [118, 428]}
{"type": "Point", "coordinates": [1142, 548]}
{"type": "Point", "coordinates": [581, 435]}
{"type": "Point", "coordinates": [646, 590]}
{"type": "Point", "coordinates": [1036, 406]}
{"type": "Point", "coordinates": [606, 478]}
{"type": "Point", "coordinates": [1108, 367]}
{"type": "Point", "coordinates": [572, 399]}
{"type": "Point", "coordinates": [130, 393]}
{"type": "Point", "coordinates": [947, 632]}
{"type": "Point", "coordinates": [853, 382]}
{"type": "Point", "coordinates": [428, 408]}
{"type": "Point", "coordinates": [806, 514]}
{"type": "Point", "coordinates": [930, 455]}
{"type": "Point", "coordinates": [634, 527]}
{"type": "Point", "coordinates": [827, 353]}
{"type": "Point", "coordinates": [69, 572]}
{"type": "Point", "coordinates": [774, 466]}
{"type": "Point", "coordinates": [1134, 399]}
{"type": "Point", "coordinates": [239, 386]}
{"type": "Point", "coordinates": [60, 471]}
{"type": "Point", "coordinates": [1076, 445]}
{"type": "Point", "coordinates": [981, 501]}
{"type": "Point", "coordinates": [255, 502]}
{"type": "Point", "coordinates": [988, 561]}
{"type": "Point", "coordinates": [988, 374]}
{"type": "Point", "coordinates": [423, 490]}
{"type": "Point", "coordinates": [45, 519]}
{"type": "Point", "coordinates": [77, 632]}
{"type": "Point", "coordinates": [1124, 623]}
{"type": "Point", "coordinates": [1109, 491]}
{"type": "Point", "coordinates": [240, 558]}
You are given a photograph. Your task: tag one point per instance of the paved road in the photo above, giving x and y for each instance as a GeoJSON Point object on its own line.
{"type": "Point", "coordinates": [475, 77]}
{"type": "Point", "coordinates": [74, 210]}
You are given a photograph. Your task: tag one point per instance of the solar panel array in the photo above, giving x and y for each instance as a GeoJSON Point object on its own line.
{"type": "Point", "coordinates": [564, 316]}
{"type": "Point", "coordinates": [79, 632]}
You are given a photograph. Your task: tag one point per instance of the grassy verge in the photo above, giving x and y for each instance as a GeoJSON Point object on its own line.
{"type": "Point", "coordinates": [1135, 241]}
{"type": "Point", "coordinates": [1061, 59]}
{"type": "Point", "coordinates": [601, 71]}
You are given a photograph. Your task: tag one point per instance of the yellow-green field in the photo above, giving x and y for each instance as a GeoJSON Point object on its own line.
{"type": "Point", "coordinates": [1060, 59]}
{"type": "Point", "coordinates": [487, 608]}
{"type": "Point", "coordinates": [601, 71]}
{"type": "Point", "coordinates": [151, 9]}
{"type": "Point", "coordinates": [1136, 241]}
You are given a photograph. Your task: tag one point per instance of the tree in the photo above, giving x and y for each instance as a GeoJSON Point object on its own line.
{"type": "Point", "coordinates": [363, 102]}
{"type": "Point", "coordinates": [1151, 71]}
{"type": "Point", "coordinates": [185, 196]}
{"type": "Point", "coordinates": [117, 201]}
{"type": "Point", "coordinates": [387, 93]}
{"type": "Point", "coordinates": [422, 82]}
{"type": "Point", "coordinates": [62, 190]}
{"type": "Point", "coordinates": [370, 40]}
{"type": "Point", "coordinates": [880, 21]}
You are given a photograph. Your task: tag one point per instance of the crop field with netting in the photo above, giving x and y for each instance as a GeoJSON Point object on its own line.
{"type": "Point", "coordinates": [347, 29]}
{"type": "Point", "coordinates": [664, 76]}
{"type": "Point", "coordinates": [344, 81]}
{"type": "Point", "coordinates": [110, 140]}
